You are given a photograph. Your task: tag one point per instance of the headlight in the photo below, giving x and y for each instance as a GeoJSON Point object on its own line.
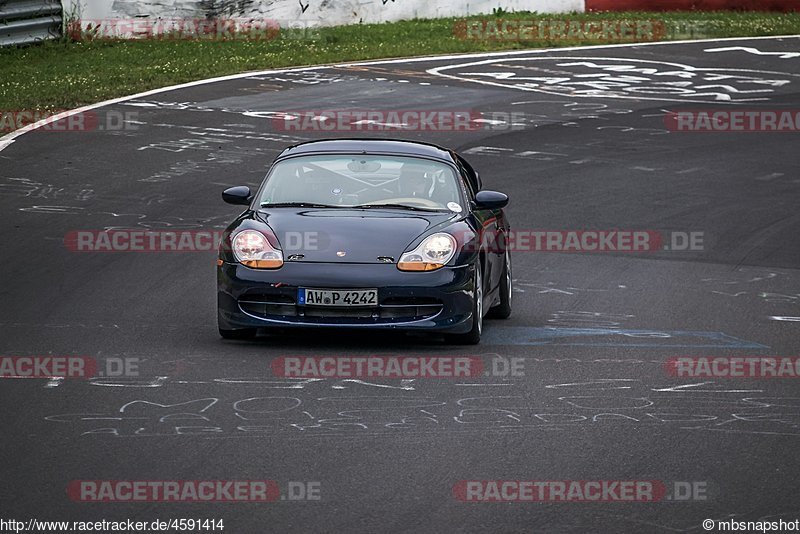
{"type": "Point", "coordinates": [433, 253]}
{"type": "Point", "coordinates": [251, 248]}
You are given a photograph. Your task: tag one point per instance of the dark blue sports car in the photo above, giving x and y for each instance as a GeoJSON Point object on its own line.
{"type": "Point", "coordinates": [366, 233]}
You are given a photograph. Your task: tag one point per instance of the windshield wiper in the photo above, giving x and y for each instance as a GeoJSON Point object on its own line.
{"type": "Point", "coordinates": [296, 205]}
{"type": "Point", "coordinates": [394, 206]}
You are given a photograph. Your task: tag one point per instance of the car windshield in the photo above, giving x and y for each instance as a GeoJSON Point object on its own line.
{"type": "Point", "coordinates": [368, 181]}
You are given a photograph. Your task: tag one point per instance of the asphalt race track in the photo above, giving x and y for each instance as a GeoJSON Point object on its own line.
{"type": "Point", "coordinates": [590, 333]}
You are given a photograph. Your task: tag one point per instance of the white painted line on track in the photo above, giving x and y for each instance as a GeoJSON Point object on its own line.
{"type": "Point", "coordinates": [501, 77]}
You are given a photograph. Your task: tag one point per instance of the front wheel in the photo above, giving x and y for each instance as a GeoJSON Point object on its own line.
{"type": "Point", "coordinates": [473, 337]}
{"type": "Point", "coordinates": [503, 309]}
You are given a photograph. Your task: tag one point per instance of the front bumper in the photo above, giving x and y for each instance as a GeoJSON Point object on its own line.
{"type": "Point", "coordinates": [438, 300]}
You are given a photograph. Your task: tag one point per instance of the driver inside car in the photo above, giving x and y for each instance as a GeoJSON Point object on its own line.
{"type": "Point", "coordinates": [414, 183]}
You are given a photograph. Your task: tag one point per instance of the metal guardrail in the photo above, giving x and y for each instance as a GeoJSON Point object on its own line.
{"type": "Point", "coordinates": [29, 21]}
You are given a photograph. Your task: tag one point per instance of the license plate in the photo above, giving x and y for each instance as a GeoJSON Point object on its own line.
{"type": "Point", "coordinates": [337, 297]}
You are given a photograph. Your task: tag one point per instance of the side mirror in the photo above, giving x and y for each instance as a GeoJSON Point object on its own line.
{"type": "Point", "coordinates": [490, 200]}
{"type": "Point", "coordinates": [237, 195]}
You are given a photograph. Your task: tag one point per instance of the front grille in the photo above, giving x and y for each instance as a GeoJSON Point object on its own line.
{"type": "Point", "coordinates": [391, 310]}
{"type": "Point", "coordinates": [265, 305]}
{"type": "Point", "coordinates": [409, 301]}
{"type": "Point", "coordinates": [275, 298]}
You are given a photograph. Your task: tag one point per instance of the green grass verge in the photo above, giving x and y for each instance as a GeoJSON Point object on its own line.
{"type": "Point", "coordinates": [61, 75]}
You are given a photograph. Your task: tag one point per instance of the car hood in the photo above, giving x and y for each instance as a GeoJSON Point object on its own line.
{"type": "Point", "coordinates": [350, 236]}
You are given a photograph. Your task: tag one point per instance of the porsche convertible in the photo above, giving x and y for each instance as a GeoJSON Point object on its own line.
{"type": "Point", "coordinates": [365, 234]}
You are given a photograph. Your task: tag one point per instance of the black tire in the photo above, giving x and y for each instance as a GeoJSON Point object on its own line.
{"type": "Point", "coordinates": [473, 337]}
{"type": "Point", "coordinates": [503, 310]}
{"type": "Point", "coordinates": [242, 333]}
